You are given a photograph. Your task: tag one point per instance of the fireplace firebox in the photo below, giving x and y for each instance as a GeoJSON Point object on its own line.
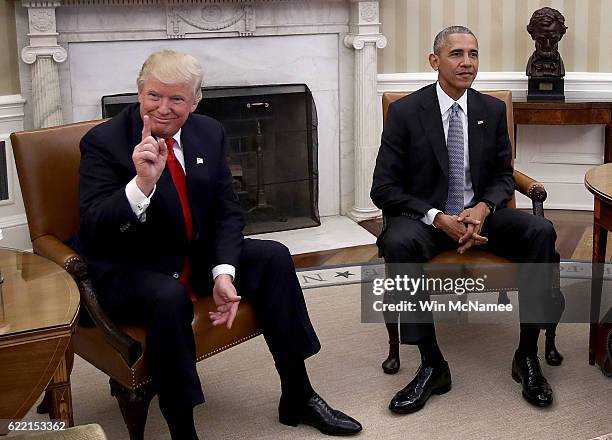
{"type": "Point", "coordinates": [272, 144]}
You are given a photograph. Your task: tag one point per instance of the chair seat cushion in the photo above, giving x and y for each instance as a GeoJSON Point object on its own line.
{"type": "Point", "coordinates": [90, 344]}
{"type": "Point", "coordinates": [498, 272]}
{"type": "Point", "coordinates": [471, 256]}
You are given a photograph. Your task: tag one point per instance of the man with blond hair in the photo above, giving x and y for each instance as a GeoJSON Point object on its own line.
{"type": "Point", "coordinates": [160, 228]}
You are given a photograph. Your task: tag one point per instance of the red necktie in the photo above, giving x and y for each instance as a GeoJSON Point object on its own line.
{"type": "Point", "coordinates": [180, 183]}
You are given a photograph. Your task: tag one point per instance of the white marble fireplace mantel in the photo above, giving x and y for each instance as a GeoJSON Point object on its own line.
{"type": "Point", "coordinates": [73, 52]}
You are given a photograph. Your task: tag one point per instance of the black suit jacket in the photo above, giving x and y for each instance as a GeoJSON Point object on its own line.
{"type": "Point", "coordinates": [112, 237]}
{"type": "Point", "coordinates": [411, 173]}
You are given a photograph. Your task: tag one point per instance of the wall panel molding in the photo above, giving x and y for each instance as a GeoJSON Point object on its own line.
{"type": "Point", "coordinates": [579, 86]}
{"type": "Point", "coordinates": [12, 213]}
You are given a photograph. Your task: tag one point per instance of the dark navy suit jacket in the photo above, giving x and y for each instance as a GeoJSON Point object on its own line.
{"type": "Point", "coordinates": [113, 238]}
{"type": "Point", "coordinates": [411, 173]}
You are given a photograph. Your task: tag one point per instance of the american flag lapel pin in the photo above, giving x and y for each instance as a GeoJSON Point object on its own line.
{"type": "Point", "coordinates": [199, 161]}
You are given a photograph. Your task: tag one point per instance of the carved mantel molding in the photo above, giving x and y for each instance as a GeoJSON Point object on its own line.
{"type": "Point", "coordinates": [30, 54]}
{"type": "Point", "coordinates": [358, 42]}
{"type": "Point", "coordinates": [195, 19]}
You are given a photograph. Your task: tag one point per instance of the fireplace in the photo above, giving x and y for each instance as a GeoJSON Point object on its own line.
{"type": "Point", "coordinates": [272, 141]}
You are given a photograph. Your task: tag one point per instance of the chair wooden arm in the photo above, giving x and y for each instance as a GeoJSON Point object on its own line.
{"type": "Point", "coordinates": [532, 189]}
{"type": "Point", "coordinates": [52, 248]}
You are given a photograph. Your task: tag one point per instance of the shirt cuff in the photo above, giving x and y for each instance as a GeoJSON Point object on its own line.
{"type": "Point", "coordinates": [226, 269]}
{"type": "Point", "coordinates": [138, 201]}
{"type": "Point", "coordinates": [430, 216]}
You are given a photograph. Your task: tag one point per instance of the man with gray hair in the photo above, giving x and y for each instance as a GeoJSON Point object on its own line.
{"type": "Point", "coordinates": [160, 228]}
{"type": "Point", "coordinates": [443, 178]}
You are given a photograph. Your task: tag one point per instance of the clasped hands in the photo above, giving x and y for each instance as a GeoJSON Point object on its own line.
{"type": "Point", "coordinates": [464, 228]}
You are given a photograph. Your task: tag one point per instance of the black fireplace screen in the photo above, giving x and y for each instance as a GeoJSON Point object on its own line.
{"type": "Point", "coordinates": [272, 141]}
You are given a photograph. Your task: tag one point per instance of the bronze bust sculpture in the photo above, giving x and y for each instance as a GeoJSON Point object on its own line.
{"type": "Point", "coordinates": [545, 67]}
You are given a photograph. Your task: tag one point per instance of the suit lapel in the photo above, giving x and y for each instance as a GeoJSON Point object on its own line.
{"type": "Point", "coordinates": [475, 133]}
{"type": "Point", "coordinates": [431, 119]}
{"type": "Point", "coordinates": [192, 141]}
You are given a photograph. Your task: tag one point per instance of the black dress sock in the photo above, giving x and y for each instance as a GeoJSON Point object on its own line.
{"type": "Point", "coordinates": [430, 352]}
{"type": "Point", "coordinates": [295, 385]}
{"type": "Point", "coordinates": [180, 422]}
{"type": "Point", "coordinates": [528, 342]}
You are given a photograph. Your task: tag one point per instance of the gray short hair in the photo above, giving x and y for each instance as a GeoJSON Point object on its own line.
{"type": "Point", "coordinates": [440, 39]}
{"type": "Point", "coordinates": [171, 67]}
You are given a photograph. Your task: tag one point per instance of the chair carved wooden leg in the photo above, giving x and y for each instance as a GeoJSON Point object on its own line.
{"type": "Point", "coordinates": [551, 354]}
{"type": "Point", "coordinates": [134, 405]}
{"type": "Point", "coordinates": [43, 406]}
{"type": "Point", "coordinates": [502, 297]}
{"type": "Point", "coordinates": [391, 365]}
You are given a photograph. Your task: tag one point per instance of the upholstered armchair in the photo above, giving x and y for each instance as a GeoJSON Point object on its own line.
{"type": "Point", "coordinates": [474, 256]}
{"type": "Point", "coordinates": [47, 163]}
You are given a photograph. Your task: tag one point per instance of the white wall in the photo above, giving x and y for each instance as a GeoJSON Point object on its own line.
{"type": "Point", "coordinates": [12, 214]}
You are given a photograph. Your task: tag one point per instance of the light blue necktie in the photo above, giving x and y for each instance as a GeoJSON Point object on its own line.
{"type": "Point", "coordinates": [456, 169]}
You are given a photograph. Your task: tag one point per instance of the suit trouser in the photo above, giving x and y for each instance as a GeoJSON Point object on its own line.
{"type": "Point", "coordinates": [265, 277]}
{"type": "Point", "coordinates": [513, 234]}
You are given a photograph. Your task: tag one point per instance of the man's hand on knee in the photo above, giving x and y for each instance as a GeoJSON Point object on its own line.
{"type": "Point", "coordinates": [227, 301]}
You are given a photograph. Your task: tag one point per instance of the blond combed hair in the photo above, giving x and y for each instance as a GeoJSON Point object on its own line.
{"type": "Point", "coordinates": [171, 67]}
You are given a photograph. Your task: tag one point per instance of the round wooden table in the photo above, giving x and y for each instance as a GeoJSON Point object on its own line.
{"type": "Point", "coordinates": [39, 305]}
{"type": "Point", "coordinates": [598, 181]}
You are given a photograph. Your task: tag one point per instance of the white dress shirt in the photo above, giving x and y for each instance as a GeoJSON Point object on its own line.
{"type": "Point", "coordinates": [139, 203]}
{"type": "Point", "coordinates": [446, 102]}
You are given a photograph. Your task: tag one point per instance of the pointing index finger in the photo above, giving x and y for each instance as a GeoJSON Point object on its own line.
{"type": "Point", "coordinates": [146, 127]}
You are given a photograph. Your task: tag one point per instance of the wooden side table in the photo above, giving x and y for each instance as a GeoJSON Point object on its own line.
{"type": "Point", "coordinates": [598, 181]}
{"type": "Point", "coordinates": [566, 113]}
{"type": "Point", "coordinates": [38, 312]}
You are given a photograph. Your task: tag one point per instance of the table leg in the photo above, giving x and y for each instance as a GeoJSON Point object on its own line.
{"type": "Point", "coordinates": [59, 387]}
{"type": "Point", "coordinates": [608, 143]}
{"type": "Point", "coordinates": [600, 237]}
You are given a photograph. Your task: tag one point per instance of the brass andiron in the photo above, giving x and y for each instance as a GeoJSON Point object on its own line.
{"type": "Point", "coordinates": [262, 211]}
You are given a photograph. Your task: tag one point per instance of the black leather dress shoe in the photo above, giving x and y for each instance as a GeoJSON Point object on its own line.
{"type": "Point", "coordinates": [552, 356]}
{"type": "Point", "coordinates": [428, 381]}
{"type": "Point", "coordinates": [318, 414]}
{"type": "Point", "coordinates": [527, 371]}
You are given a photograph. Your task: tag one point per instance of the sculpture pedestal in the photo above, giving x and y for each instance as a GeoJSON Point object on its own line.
{"type": "Point", "coordinates": [546, 89]}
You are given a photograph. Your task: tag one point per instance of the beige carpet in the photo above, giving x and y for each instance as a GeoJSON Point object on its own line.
{"type": "Point", "coordinates": [242, 388]}
{"type": "Point", "coordinates": [584, 249]}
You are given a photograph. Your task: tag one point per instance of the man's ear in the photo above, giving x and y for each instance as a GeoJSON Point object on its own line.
{"type": "Point", "coordinates": [433, 61]}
